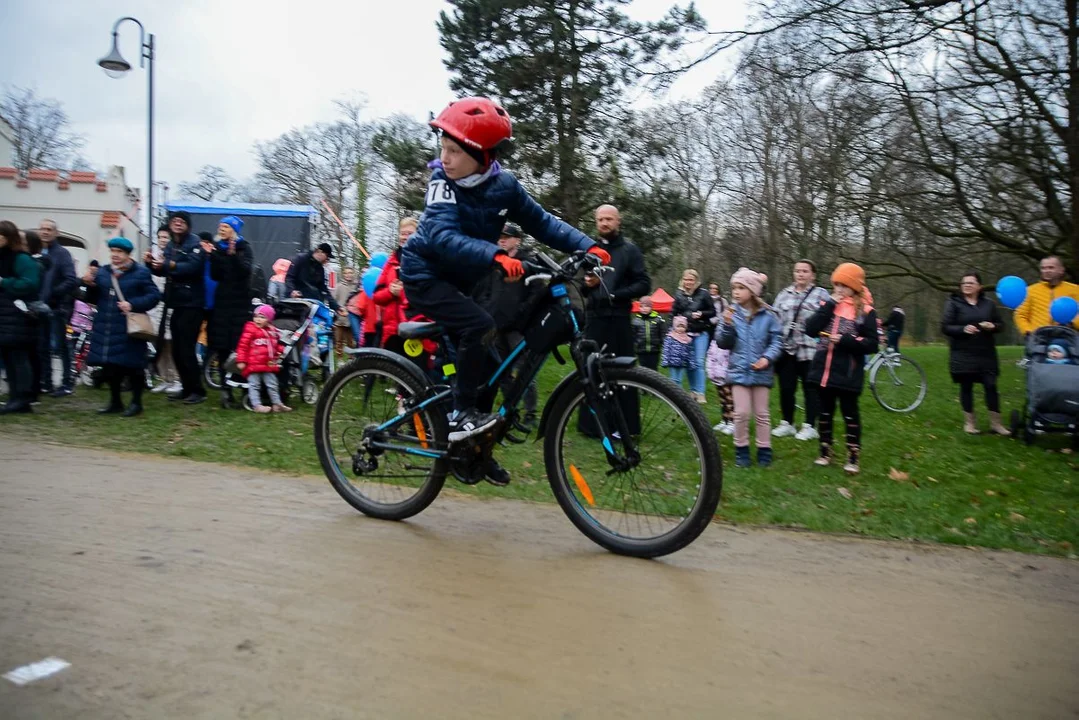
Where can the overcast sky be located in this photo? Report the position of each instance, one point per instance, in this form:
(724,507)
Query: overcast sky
(230,72)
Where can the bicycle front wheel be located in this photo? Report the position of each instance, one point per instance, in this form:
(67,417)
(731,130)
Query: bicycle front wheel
(659,504)
(368,392)
(898,383)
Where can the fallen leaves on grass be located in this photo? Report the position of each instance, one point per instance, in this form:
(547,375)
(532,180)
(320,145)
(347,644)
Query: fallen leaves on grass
(970,521)
(990,493)
(932,479)
(845,492)
(1016,517)
(898,475)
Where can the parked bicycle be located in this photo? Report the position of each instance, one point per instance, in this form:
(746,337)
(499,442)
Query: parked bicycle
(898,383)
(647,486)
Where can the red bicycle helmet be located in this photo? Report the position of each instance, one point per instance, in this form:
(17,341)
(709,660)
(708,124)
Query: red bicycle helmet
(477,122)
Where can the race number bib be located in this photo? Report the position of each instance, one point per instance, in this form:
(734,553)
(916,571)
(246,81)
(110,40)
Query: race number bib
(439,191)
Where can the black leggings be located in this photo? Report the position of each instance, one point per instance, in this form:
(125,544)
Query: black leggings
(115,374)
(790,370)
(848,405)
(966,391)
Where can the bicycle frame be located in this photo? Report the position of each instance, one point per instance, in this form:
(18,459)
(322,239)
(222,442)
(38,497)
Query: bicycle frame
(588,362)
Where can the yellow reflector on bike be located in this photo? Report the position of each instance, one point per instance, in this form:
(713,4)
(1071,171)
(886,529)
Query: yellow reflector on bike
(449,370)
(413,347)
(579,480)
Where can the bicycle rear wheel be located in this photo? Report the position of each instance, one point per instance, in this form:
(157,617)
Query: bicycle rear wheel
(661,504)
(898,383)
(365,393)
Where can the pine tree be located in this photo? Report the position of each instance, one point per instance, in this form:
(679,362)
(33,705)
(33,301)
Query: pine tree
(563,69)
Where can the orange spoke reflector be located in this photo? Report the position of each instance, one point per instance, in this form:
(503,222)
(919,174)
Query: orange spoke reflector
(420,432)
(578,478)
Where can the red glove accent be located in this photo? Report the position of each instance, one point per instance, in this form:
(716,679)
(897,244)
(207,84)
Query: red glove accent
(511,266)
(603,255)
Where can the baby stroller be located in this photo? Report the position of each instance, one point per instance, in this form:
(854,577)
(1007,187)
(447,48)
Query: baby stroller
(306,331)
(1052,388)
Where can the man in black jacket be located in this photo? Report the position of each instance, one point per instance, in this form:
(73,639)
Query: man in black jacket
(609,300)
(58,286)
(306,276)
(183,265)
(508,303)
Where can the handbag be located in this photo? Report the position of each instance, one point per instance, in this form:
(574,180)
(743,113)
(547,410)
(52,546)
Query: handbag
(139,325)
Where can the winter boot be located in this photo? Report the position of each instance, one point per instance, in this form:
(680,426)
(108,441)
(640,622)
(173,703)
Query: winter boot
(825,458)
(741,457)
(852,467)
(996,426)
(970,424)
(764,457)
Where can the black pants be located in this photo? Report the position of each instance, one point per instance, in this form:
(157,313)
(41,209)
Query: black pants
(19,374)
(185,325)
(616,332)
(505,343)
(848,405)
(467,325)
(648,360)
(115,376)
(892,339)
(967,381)
(790,370)
(34,357)
(54,332)
(222,375)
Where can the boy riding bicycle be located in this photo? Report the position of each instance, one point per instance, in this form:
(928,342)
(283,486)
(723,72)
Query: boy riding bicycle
(469,200)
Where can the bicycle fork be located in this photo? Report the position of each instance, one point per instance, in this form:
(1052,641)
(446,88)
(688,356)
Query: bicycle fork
(602,402)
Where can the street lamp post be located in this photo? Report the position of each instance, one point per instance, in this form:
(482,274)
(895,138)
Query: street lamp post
(115,66)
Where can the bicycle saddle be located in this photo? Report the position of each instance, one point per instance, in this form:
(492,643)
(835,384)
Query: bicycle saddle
(418,330)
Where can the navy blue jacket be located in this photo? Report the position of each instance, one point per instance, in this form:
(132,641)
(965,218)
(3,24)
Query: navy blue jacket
(308,276)
(458,234)
(59,282)
(109,342)
(186,282)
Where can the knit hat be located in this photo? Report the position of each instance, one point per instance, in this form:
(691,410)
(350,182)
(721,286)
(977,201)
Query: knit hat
(121,243)
(750,279)
(1056,348)
(326,249)
(512,230)
(266,311)
(851,275)
(233,222)
(182,214)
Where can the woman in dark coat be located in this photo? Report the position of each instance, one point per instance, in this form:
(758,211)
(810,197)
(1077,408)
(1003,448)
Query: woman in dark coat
(231,260)
(695,304)
(120,356)
(971,322)
(20,279)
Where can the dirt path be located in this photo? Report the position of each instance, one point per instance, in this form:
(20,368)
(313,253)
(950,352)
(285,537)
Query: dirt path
(178,589)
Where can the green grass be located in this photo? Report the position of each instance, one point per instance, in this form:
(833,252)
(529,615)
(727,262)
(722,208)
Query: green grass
(948,487)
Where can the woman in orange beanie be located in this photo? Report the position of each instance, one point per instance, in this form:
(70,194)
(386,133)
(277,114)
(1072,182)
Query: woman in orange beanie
(847,326)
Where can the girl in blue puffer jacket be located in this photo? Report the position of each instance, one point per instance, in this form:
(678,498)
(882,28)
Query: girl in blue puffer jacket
(751,331)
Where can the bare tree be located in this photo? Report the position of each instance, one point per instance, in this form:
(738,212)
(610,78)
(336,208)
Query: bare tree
(212,183)
(43,138)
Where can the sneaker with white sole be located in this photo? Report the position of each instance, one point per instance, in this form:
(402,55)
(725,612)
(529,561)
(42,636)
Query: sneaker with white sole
(808,432)
(784,429)
(465,424)
(727,429)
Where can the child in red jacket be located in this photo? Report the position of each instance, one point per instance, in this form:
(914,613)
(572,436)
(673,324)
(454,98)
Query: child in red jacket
(256,357)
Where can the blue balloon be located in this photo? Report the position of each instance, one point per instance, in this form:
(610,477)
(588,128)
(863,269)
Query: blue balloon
(379,260)
(1012,291)
(370,280)
(1063,310)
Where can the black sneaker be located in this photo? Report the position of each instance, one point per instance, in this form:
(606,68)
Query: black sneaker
(496,474)
(194,399)
(61,392)
(464,425)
